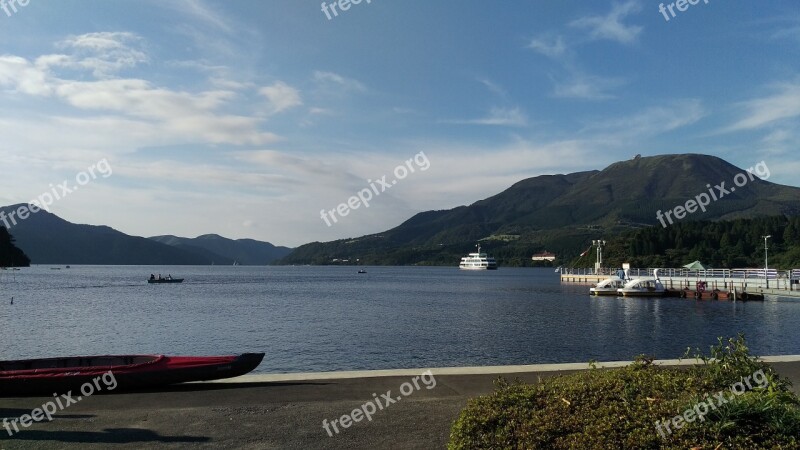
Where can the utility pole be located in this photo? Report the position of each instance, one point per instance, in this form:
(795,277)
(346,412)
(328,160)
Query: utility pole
(598,264)
(766,260)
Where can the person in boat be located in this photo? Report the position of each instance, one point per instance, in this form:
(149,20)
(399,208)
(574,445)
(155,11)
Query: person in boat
(152,276)
(159,277)
(169,277)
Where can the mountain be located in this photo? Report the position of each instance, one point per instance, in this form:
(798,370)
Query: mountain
(562,213)
(49,239)
(10,254)
(228,251)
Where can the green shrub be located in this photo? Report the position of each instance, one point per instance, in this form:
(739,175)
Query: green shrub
(619,408)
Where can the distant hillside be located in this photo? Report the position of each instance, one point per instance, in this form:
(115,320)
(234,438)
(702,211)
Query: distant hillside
(226,251)
(562,213)
(721,244)
(48,239)
(10,254)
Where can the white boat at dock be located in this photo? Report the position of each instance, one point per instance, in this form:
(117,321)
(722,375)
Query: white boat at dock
(478,261)
(608,286)
(643,287)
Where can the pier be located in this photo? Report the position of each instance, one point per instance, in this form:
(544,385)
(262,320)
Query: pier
(771,282)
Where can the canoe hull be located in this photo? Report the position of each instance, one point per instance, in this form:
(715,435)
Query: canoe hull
(61,375)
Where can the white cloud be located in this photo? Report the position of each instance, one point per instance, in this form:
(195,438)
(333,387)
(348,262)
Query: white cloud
(211,16)
(587,87)
(175,115)
(281,96)
(493,87)
(551,47)
(513,117)
(334,80)
(610,26)
(103,53)
(19,75)
(653,120)
(782,105)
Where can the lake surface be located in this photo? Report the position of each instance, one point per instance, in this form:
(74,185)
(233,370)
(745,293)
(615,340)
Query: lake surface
(331,318)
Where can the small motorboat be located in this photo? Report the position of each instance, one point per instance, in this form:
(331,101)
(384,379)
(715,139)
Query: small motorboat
(608,287)
(362,271)
(60,375)
(167,279)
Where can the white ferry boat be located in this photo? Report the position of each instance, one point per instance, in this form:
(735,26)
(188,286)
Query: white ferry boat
(478,261)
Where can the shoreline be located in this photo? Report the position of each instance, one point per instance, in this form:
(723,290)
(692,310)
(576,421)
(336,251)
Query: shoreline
(466,370)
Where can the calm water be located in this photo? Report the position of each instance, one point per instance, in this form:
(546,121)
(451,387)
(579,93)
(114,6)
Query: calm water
(331,318)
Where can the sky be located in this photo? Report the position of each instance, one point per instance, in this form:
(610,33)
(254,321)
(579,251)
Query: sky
(249,118)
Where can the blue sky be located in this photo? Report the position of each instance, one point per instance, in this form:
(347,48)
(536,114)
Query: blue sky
(246,118)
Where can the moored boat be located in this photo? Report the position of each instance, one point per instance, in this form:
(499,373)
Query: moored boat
(643,287)
(607,287)
(51,375)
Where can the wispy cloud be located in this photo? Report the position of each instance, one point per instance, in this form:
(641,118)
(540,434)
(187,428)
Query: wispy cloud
(610,26)
(202,12)
(509,117)
(783,104)
(281,96)
(653,120)
(494,88)
(176,115)
(336,81)
(787,28)
(587,87)
(103,53)
(552,47)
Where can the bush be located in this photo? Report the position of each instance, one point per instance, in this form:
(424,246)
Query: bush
(619,408)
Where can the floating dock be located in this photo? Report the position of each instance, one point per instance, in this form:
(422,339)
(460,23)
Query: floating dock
(741,283)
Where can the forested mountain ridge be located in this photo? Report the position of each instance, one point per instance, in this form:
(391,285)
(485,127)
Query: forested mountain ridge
(563,213)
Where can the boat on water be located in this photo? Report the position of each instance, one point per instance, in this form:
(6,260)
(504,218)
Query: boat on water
(362,271)
(608,286)
(643,287)
(478,261)
(159,280)
(60,375)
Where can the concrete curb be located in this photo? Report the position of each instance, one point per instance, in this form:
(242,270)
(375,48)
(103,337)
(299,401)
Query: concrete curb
(478,370)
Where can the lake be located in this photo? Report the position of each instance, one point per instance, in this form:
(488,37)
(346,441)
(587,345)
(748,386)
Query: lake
(332,318)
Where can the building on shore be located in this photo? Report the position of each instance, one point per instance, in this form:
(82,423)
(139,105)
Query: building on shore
(544,256)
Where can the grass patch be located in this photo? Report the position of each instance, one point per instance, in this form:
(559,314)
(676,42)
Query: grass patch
(619,408)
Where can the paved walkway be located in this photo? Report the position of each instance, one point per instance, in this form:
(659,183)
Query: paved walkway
(283,411)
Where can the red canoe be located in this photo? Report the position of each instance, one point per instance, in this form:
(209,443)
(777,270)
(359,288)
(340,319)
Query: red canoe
(60,375)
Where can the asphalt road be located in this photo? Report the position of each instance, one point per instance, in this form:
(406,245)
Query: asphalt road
(254,414)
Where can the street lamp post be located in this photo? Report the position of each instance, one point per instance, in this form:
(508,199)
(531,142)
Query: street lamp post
(599,261)
(766,260)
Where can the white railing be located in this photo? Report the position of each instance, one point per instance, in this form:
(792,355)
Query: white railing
(773,278)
